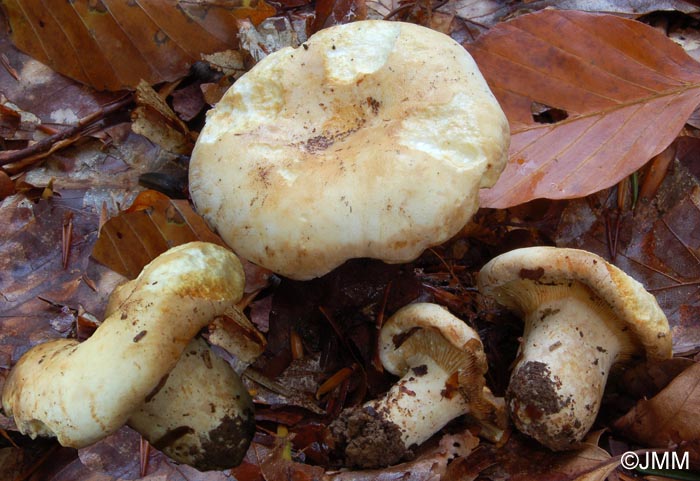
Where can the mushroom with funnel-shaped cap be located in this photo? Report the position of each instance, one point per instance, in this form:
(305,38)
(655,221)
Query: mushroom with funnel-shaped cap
(442,364)
(142,365)
(582,315)
(372,139)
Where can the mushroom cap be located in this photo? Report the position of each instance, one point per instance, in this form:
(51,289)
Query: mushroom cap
(433,318)
(625,296)
(370,140)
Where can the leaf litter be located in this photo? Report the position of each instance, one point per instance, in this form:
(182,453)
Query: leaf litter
(319,329)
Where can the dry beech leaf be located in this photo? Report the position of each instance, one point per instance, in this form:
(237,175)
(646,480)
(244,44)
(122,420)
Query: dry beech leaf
(154,119)
(486,13)
(32,269)
(153,224)
(522,459)
(670,418)
(150,226)
(112,45)
(617,96)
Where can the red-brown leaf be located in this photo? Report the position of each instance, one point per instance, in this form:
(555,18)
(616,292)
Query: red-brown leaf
(112,45)
(625,88)
(152,225)
(670,418)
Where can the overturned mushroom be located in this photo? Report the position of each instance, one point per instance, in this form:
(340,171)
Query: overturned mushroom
(144,366)
(582,315)
(442,364)
(372,139)
(231,331)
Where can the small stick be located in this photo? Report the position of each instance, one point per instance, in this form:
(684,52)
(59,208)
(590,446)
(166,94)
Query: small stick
(334,381)
(46,144)
(10,69)
(67,238)
(144,455)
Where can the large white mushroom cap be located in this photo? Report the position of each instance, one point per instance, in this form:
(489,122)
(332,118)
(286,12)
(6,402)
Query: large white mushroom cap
(372,139)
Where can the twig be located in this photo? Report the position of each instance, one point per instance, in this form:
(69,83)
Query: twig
(66,238)
(379,322)
(144,456)
(45,145)
(4,434)
(10,69)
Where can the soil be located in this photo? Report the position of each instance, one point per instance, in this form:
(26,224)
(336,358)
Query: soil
(365,440)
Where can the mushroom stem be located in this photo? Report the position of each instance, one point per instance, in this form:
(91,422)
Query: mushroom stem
(582,314)
(382,431)
(421,402)
(571,341)
(207,425)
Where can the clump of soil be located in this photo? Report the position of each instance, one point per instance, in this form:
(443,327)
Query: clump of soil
(365,440)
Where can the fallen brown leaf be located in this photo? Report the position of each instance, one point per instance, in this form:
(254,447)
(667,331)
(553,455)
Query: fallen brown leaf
(154,119)
(670,418)
(153,224)
(39,298)
(112,45)
(479,15)
(583,114)
(522,459)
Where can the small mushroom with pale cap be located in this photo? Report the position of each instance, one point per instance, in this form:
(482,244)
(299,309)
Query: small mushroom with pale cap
(145,367)
(582,315)
(372,139)
(442,364)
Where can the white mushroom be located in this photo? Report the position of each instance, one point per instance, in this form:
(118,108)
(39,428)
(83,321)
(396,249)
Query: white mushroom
(581,315)
(372,139)
(144,366)
(442,364)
